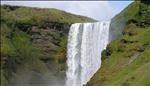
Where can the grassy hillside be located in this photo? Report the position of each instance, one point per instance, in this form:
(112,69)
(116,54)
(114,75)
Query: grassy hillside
(126,61)
(38,16)
(33,45)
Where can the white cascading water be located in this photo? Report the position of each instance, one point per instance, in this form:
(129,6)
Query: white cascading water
(85,44)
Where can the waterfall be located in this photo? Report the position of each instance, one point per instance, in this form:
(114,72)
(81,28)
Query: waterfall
(85,44)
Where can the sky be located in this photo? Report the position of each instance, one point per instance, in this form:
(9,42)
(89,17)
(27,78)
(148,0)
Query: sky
(98,10)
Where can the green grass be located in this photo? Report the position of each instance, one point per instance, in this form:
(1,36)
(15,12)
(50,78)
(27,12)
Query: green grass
(115,70)
(38,16)
(6,47)
(18,44)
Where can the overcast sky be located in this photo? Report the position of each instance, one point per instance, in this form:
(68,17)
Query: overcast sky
(99,10)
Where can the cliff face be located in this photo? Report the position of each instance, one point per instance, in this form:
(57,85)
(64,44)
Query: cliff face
(126,61)
(137,13)
(33,45)
(120,20)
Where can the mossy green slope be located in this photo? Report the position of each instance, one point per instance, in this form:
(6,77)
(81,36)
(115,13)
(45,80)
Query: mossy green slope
(129,62)
(38,16)
(33,44)
(126,61)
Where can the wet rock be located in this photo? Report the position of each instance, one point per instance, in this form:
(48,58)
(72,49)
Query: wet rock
(108,51)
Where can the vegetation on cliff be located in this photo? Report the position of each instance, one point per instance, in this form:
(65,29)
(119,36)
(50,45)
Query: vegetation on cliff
(33,45)
(126,61)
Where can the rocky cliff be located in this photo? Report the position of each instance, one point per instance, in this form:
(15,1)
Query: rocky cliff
(33,45)
(120,20)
